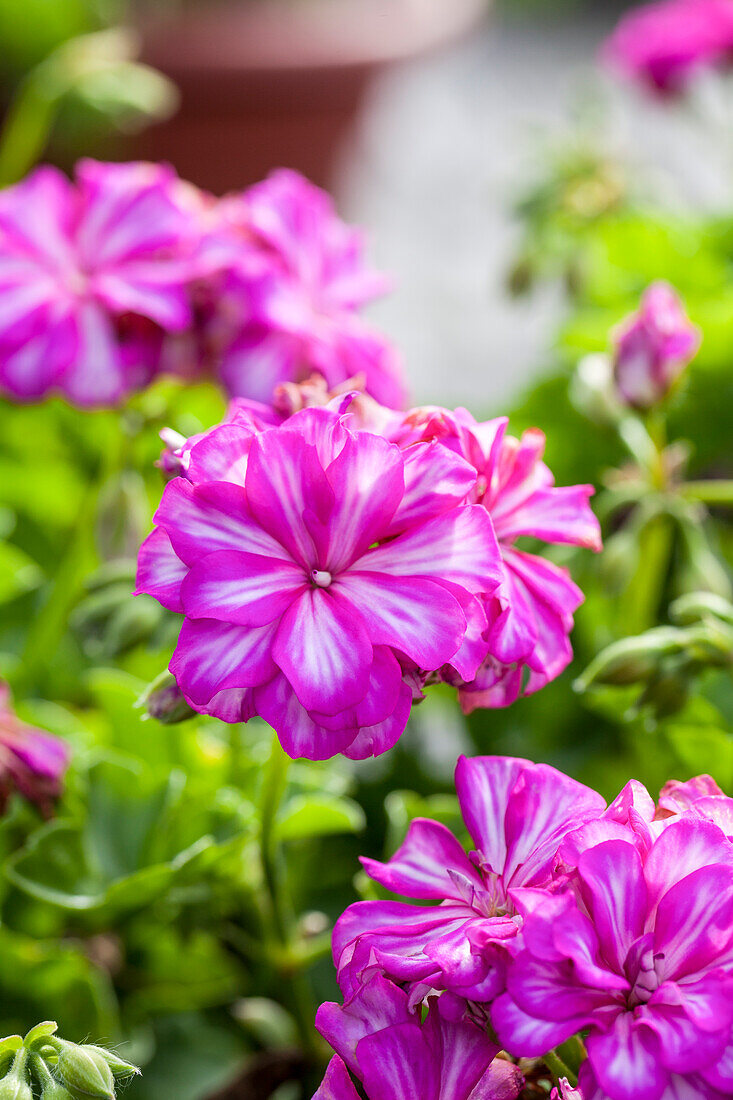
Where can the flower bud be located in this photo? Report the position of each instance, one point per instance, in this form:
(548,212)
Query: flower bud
(592,389)
(15,1087)
(653,347)
(54,1091)
(164,701)
(631,660)
(121,1070)
(82,1069)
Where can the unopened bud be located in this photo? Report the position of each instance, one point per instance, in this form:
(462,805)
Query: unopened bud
(631,660)
(164,701)
(82,1069)
(54,1091)
(592,391)
(15,1087)
(121,1070)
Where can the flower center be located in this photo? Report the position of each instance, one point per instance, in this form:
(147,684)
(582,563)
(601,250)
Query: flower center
(321,578)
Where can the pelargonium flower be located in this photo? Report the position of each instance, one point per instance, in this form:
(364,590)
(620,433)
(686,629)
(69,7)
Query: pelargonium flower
(653,346)
(531,613)
(395,1056)
(91,273)
(664,43)
(638,952)
(296,282)
(32,761)
(517,814)
(310,563)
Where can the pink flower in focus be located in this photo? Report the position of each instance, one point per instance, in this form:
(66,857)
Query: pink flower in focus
(310,563)
(664,43)
(531,613)
(91,275)
(517,814)
(32,762)
(297,280)
(698,797)
(639,951)
(396,1056)
(653,347)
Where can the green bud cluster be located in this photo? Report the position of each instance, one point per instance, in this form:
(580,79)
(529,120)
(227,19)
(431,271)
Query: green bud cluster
(665,660)
(42,1064)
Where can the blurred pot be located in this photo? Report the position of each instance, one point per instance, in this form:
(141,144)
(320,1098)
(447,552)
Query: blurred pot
(279,82)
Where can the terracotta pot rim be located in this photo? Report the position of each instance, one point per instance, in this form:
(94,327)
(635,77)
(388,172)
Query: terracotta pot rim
(298,36)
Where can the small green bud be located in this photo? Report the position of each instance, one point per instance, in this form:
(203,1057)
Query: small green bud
(632,660)
(84,1070)
(121,1070)
(15,1087)
(54,1091)
(163,700)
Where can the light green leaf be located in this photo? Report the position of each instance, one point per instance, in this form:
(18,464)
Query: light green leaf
(308,816)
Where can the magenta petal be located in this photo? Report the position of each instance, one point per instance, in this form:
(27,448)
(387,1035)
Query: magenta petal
(368,483)
(626,1060)
(323,648)
(299,734)
(248,589)
(436,480)
(221,455)
(211,656)
(398,1064)
(555,515)
(336,1085)
(376,1006)
(96,376)
(160,572)
(545,581)
(526,1036)
(615,895)
(682,848)
(285,480)
(484,785)
(694,924)
(459,546)
(413,614)
(420,867)
(201,519)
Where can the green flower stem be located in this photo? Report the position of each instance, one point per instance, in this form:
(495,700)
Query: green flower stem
(78,559)
(573,1053)
(640,602)
(558,1068)
(278,908)
(708,492)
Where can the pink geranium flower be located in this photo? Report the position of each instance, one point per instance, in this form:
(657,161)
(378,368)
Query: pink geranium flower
(531,613)
(396,1056)
(517,814)
(91,274)
(664,43)
(653,346)
(290,304)
(32,761)
(314,566)
(638,952)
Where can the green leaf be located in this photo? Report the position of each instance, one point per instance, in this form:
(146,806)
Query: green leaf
(18,572)
(307,816)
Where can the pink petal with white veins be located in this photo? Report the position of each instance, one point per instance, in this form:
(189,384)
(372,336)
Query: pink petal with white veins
(323,648)
(236,587)
(560,515)
(160,572)
(300,736)
(211,656)
(96,376)
(337,1084)
(200,519)
(284,481)
(419,868)
(436,480)
(368,483)
(459,546)
(694,925)
(413,614)
(613,889)
(626,1061)
(221,455)
(379,737)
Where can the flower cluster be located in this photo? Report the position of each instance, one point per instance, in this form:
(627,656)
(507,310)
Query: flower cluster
(332,563)
(128,272)
(664,43)
(32,762)
(568,917)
